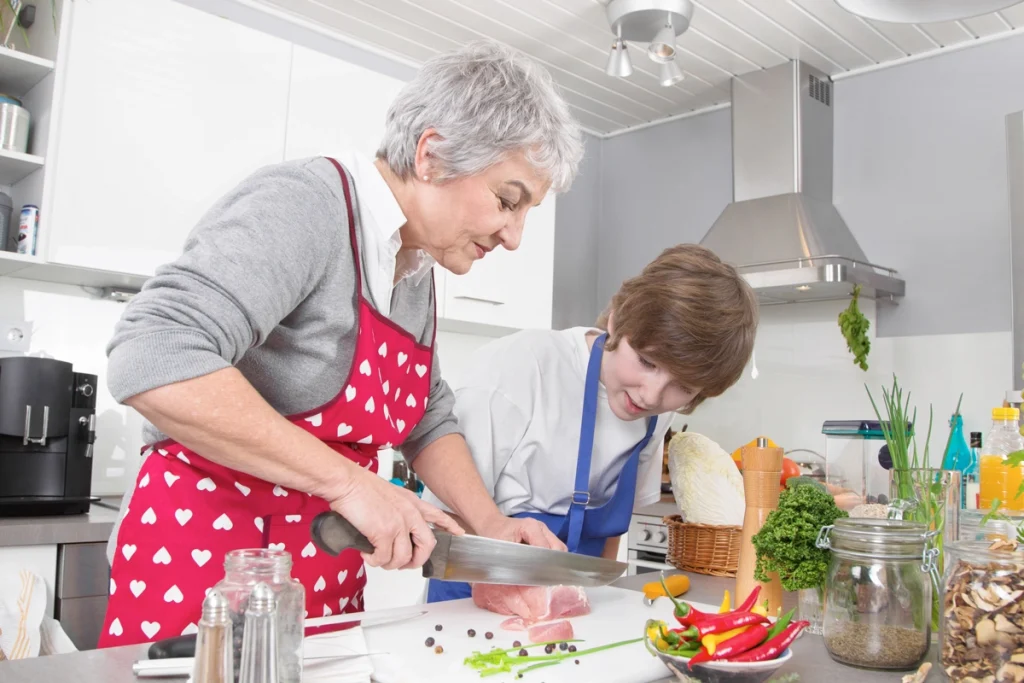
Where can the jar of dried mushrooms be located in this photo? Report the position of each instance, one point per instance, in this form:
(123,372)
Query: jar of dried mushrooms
(878,592)
(982,623)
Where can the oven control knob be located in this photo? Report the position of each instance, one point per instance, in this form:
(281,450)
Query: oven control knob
(86,389)
(662,537)
(647,534)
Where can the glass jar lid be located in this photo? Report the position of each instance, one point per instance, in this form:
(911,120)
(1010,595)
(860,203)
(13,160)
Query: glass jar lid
(892,538)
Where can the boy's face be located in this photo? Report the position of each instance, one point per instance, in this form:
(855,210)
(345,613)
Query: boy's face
(637,387)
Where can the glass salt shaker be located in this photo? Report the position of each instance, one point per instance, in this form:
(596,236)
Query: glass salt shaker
(213,658)
(243,570)
(259,644)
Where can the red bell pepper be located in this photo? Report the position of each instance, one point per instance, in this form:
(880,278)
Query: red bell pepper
(723,623)
(748,604)
(773,647)
(736,645)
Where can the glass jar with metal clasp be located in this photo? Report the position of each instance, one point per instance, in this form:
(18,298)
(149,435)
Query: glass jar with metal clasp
(878,592)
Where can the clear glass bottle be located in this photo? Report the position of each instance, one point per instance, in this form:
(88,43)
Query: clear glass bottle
(996,479)
(259,644)
(243,569)
(213,658)
(878,592)
(982,627)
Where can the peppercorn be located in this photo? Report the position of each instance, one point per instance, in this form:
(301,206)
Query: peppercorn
(472,633)
(572,648)
(438,627)
(516,643)
(438,649)
(523,652)
(563,646)
(577,661)
(548,649)
(430,642)
(488,635)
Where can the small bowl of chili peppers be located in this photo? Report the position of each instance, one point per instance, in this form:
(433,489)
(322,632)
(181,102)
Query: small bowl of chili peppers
(732,646)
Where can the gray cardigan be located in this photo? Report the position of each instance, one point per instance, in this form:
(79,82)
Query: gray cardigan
(266,284)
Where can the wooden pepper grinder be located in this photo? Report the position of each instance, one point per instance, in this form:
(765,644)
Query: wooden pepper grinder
(762,470)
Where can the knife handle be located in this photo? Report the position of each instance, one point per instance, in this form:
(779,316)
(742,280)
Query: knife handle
(171,648)
(333,534)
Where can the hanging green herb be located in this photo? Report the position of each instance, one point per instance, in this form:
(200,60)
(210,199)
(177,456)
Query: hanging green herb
(855,330)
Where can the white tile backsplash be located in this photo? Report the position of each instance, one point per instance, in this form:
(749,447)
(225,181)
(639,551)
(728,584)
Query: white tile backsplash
(807,376)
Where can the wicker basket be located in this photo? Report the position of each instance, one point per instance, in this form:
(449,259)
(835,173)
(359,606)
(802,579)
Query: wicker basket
(703,548)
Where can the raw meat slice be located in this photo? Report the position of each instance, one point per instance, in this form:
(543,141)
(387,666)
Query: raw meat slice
(533,603)
(550,633)
(513,624)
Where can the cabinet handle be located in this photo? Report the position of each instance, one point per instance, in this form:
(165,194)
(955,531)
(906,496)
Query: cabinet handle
(493,302)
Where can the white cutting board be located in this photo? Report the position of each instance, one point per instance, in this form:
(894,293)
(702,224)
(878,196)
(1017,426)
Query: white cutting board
(616,614)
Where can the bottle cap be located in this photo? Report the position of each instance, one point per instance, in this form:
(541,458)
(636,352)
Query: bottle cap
(215,608)
(1005,414)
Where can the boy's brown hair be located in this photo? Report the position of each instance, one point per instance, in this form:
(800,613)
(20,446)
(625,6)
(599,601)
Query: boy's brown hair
(691,315)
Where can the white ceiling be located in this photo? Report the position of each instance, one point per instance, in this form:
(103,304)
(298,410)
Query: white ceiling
(572,38)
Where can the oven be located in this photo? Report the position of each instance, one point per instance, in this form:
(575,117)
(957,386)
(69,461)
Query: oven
(647,545)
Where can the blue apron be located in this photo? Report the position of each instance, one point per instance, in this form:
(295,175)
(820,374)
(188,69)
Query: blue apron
(585,529)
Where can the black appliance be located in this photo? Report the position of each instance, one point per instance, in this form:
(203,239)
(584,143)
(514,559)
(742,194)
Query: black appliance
(47,431)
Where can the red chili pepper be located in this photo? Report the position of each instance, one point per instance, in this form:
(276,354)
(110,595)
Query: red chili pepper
(701,656)
(741,642)
(691,615)
(748,604)
(773,647)
(726,622)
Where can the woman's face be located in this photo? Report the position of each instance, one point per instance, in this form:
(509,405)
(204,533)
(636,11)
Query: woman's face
(459,221)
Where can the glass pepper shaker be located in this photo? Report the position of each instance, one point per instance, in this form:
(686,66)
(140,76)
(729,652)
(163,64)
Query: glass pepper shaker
(259,644)
(214,662)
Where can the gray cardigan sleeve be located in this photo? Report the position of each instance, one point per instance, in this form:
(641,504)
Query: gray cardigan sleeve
(249,261)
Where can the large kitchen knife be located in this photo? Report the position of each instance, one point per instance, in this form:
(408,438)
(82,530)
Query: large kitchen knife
(476,559)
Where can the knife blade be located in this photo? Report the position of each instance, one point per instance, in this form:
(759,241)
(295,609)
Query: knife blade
(476,559)
(185,646)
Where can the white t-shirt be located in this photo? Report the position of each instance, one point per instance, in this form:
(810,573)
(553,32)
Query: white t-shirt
(520,412)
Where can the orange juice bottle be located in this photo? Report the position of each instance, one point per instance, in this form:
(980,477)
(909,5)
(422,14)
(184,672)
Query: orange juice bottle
(996,479)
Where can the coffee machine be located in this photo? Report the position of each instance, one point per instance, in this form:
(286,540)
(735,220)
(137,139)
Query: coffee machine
(47,432)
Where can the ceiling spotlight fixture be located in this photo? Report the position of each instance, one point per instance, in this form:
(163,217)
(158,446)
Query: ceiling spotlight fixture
(655,22)
(669,73)
(663,48)
(618,61)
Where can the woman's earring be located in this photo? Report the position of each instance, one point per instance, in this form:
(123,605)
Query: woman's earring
(426,178)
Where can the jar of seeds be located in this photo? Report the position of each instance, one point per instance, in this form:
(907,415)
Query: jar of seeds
(982,621)
(878,592)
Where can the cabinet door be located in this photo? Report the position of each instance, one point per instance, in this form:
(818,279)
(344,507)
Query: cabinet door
(335,106)
(164,109)
(509,288)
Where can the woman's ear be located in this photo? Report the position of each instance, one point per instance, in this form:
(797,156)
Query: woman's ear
(426,165)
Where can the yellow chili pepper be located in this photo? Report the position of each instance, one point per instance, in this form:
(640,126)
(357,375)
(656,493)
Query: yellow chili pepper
(725,604)
(711,641)
(661,644)
(760,609)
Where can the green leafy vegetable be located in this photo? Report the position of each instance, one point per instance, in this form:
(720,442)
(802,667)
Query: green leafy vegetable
(499,661)
(786,543)
(855,330)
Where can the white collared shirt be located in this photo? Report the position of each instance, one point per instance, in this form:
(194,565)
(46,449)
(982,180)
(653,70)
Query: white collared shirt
(380,243)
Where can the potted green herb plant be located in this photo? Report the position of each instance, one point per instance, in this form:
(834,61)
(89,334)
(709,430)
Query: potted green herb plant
(786,545)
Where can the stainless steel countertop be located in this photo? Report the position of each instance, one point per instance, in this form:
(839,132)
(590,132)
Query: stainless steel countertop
(94,527)
(663,508)
(810,659)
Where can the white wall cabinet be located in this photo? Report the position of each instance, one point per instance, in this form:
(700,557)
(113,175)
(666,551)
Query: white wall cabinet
(335,106)
(165,108)
(508,288)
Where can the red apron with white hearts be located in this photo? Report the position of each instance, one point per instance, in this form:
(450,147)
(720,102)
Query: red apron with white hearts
(188,512)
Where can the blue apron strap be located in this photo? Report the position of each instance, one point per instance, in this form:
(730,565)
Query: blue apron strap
(581,491)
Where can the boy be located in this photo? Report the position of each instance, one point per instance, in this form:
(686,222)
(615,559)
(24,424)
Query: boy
(566,426)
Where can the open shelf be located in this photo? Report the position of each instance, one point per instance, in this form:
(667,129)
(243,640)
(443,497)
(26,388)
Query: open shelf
(14,166)
(20,72)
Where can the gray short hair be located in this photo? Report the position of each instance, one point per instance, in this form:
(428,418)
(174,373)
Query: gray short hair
(486,101)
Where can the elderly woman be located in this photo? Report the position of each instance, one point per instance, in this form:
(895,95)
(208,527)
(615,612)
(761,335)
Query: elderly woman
(294,337)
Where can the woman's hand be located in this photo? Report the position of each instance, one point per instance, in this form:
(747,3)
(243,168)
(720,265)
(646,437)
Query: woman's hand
(394,520)
(521,530)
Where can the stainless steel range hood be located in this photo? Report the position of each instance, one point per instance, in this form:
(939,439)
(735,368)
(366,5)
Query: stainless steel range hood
(781,230)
